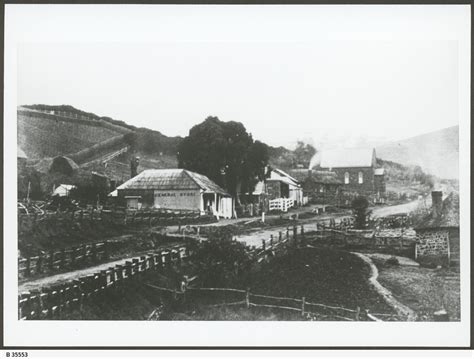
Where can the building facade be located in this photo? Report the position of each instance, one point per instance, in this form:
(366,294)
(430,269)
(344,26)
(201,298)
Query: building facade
(175,189)
(437,234)
(320,187)
(356,170)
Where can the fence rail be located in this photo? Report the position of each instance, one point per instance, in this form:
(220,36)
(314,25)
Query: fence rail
(49,303)
(60,260)
(301,305)
(280,204)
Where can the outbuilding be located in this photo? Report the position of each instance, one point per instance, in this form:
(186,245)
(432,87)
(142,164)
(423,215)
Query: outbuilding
(178,189)
(437,234)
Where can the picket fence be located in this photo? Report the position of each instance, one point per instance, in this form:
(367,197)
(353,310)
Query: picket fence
(66,258)
(51,302)
(281,204)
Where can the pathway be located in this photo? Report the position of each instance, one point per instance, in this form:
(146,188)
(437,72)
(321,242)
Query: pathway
(378,212)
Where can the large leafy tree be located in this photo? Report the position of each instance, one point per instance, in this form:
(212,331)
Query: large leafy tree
(303,153)
(226,153)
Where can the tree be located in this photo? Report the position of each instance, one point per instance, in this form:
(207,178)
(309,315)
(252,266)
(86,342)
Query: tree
(303,153)
(226,153)
(359,206)
(221,263)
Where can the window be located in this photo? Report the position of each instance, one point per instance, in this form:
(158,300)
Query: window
(361,178)
(346,178)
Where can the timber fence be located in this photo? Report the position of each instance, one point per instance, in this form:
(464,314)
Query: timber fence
(27,222)
(50,303)
(70,258)
(246,299)
(76,257)
(319,234)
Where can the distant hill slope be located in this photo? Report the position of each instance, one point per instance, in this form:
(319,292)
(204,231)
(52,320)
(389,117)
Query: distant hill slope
(436,153)
(48,131)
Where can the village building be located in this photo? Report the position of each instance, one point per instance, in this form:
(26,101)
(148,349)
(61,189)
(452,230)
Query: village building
(356,169)
(320,187)
(277,184)
(437,234)
(63,190)
(178,189)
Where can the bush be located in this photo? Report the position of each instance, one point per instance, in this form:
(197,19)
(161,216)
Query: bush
(220,263)
(393,261)
(359,206)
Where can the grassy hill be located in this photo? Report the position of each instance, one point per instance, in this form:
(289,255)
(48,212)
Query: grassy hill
(49,131)
(436,152)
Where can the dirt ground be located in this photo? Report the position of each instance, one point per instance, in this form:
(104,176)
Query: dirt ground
(422,289)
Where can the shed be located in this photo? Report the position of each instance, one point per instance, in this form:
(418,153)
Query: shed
(319,186)
(437,233)
(177,189)
(63,190)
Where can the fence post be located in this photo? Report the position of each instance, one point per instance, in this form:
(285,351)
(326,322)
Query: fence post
(287,233)
(94,252)
(39,263)
(106,250)
(247,298)
(51,260)
(302,306)
(271,240)
(263,244)
(73,257)
(357,314)
(28,265)
(279,236)
(294,232)
(63,258)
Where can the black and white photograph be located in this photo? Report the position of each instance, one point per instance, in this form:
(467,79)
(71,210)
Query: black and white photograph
(298,172)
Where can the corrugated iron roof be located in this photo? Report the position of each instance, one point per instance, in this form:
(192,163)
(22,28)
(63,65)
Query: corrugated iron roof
(281,173)
(350,157)
(172,179)
(449,217)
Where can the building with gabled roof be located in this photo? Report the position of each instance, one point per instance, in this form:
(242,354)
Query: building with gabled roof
(321,187)
(356,169)
(176,189)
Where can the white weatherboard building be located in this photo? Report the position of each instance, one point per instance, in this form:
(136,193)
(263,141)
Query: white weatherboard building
(176,189)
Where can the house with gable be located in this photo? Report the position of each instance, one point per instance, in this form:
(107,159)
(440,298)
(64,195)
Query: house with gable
(357,169)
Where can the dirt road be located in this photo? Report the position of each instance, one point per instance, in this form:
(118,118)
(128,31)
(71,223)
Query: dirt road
(311,224)
(401,208)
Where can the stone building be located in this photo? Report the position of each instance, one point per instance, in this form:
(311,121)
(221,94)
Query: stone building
(356,169)
(175,189)
(321,187)
(437,234)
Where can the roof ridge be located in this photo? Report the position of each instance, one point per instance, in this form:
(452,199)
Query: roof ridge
(188,173)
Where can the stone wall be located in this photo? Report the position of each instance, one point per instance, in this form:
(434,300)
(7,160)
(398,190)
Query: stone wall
(432,245)
(367,187)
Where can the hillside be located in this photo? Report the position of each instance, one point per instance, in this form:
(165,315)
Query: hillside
(46,131)
(436,153)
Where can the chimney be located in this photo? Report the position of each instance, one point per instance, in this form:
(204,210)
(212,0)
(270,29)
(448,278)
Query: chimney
(437,203)
(134,166)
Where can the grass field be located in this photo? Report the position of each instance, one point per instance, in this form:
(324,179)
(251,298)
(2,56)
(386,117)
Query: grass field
(423,290)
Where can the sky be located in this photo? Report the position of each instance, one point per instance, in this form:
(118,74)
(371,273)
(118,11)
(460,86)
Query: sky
(331,77)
